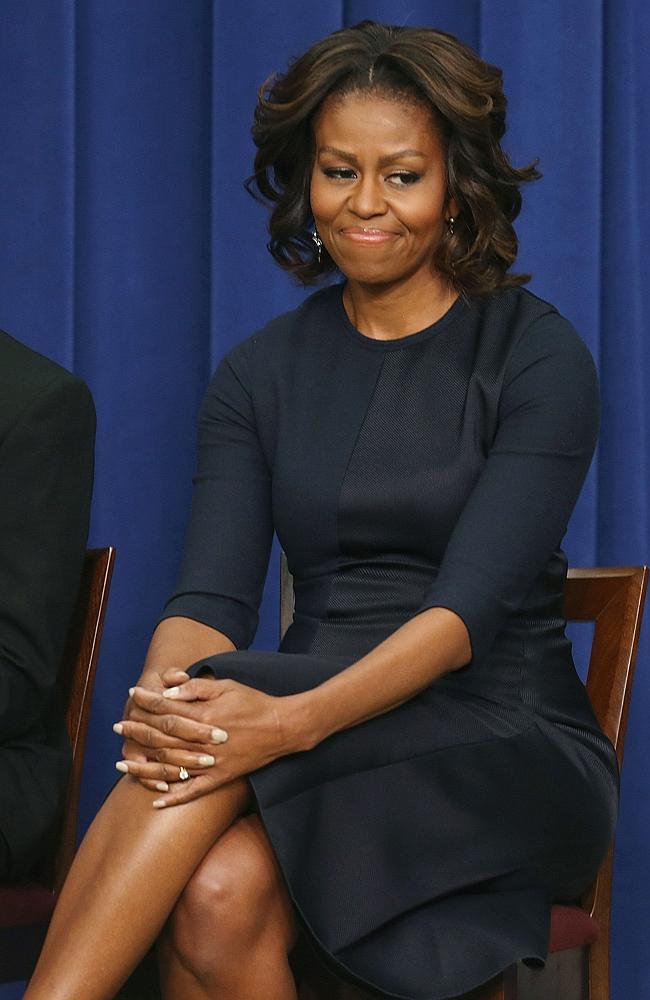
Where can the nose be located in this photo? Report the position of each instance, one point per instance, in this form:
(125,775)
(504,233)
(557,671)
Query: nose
(367,199)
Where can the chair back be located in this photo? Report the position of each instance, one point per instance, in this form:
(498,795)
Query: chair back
(76,679)
(286,596)
(612,598)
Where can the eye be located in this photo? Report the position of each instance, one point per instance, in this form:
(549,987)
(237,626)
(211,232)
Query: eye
(339,173)
(404,178)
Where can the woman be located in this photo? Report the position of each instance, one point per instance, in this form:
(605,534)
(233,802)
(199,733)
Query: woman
(417,772)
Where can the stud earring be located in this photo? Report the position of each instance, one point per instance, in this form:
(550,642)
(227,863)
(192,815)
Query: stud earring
(450,225)
(318,242)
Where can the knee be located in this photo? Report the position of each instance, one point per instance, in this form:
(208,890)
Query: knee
(223,910)
(226,897)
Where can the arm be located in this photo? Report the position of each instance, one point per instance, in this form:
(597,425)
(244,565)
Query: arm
(214,607)
(46,460)
(176,644)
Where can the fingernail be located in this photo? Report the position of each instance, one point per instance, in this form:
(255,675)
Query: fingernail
(118,728)
(162,786)
(171,692)
(218,735)
(159,804)
(131,690)
(122,766)
(205,760)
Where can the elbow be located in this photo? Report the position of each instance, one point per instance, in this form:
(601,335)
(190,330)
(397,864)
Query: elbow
(459,641)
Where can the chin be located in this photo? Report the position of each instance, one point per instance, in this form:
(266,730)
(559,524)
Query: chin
(369,275)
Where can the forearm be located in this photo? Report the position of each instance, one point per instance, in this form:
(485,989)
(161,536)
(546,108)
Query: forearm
(177,643)
(425,648)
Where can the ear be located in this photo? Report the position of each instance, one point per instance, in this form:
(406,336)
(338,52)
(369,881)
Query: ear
(451,210)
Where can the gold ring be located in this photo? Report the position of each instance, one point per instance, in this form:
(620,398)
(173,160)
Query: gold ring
(183,774)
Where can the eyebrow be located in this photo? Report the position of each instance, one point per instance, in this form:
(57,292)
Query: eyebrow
(383,160)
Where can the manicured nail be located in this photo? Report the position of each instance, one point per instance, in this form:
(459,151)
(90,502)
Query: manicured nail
(118,728)
(122,766)
(131,690)
(159,804)
(162,786)
(218,736)
(171,692)
(205,760)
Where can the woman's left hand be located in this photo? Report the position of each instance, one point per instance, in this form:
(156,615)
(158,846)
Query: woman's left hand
(237,727)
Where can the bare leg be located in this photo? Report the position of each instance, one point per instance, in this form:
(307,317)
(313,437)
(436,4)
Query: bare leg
(233,927)
(129,871)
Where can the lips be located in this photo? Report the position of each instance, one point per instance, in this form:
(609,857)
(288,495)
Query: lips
(368,235)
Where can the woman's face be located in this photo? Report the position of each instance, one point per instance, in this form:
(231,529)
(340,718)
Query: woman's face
(379,187)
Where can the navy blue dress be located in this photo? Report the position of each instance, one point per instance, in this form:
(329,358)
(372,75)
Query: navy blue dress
(421,848)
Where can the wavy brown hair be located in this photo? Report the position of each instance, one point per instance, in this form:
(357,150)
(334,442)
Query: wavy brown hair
(468,105)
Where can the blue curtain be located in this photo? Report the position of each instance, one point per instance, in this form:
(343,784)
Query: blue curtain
(131,254)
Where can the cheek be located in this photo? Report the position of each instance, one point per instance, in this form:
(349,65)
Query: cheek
(322,199)
(425,213)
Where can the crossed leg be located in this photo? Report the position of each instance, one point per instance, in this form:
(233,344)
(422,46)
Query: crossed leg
(233,927)
(127,877)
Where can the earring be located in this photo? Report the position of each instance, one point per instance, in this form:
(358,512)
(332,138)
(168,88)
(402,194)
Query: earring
(450,225)
(318,242)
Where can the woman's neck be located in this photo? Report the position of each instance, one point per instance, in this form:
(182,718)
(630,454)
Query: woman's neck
(386,312)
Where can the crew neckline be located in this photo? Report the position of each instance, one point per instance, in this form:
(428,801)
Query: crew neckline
(397,343)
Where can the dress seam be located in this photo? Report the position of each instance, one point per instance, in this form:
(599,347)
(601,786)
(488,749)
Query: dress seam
(340,489)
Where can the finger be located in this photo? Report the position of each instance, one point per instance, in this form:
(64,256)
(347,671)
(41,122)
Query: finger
(186,791)
(171,731)
(197,689)
(173,677)
(154,786)
(132,751)
(150,737)
(154,703)
(157,705)
(168,768)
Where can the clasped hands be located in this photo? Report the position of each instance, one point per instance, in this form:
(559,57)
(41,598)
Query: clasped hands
(217,730)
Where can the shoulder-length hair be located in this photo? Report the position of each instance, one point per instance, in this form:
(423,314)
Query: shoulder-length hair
(465,95)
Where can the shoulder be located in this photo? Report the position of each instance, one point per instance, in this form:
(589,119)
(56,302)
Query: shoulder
(30,382)
(271,353)
(297,327)
(532,330)
(550,383)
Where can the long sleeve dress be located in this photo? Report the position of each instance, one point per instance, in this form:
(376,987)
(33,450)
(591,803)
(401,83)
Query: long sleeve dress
(421,848)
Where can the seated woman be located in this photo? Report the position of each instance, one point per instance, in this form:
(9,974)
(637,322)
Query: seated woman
(47,434)
(417,773)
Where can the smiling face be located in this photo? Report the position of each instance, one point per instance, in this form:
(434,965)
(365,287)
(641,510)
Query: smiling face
(379,188)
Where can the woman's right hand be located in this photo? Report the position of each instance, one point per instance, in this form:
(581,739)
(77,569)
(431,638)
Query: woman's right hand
(151,680)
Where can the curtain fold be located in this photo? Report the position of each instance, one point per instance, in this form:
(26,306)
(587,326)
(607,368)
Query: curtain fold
(131,254)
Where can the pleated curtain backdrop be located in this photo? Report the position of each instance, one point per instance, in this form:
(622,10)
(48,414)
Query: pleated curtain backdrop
(131,254)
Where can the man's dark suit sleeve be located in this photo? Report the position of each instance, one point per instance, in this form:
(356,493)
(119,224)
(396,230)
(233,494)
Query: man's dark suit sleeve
(46,471)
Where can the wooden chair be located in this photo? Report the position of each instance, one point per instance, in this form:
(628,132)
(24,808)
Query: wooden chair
(578,961)
(25,908)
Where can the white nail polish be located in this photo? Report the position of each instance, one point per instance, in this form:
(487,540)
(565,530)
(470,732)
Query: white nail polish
(162,786)
(159,804)
(131,690)
(118,728)
(205,760)
(122,766)
(171,692)
(218,735)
